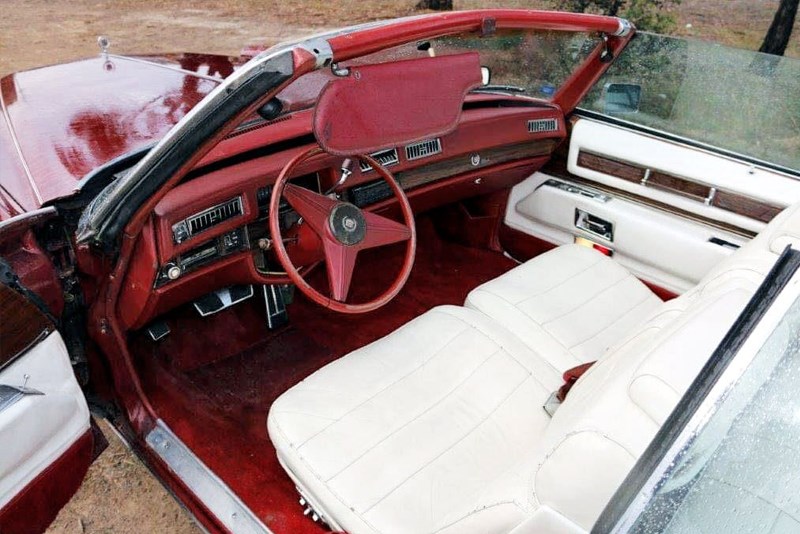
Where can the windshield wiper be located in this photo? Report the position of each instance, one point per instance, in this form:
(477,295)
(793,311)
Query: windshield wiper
(501,88)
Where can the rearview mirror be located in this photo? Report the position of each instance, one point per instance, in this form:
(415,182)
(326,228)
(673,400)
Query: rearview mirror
(486,75)
(621,98)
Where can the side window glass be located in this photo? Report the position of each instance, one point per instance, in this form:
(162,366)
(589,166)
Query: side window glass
(737,100)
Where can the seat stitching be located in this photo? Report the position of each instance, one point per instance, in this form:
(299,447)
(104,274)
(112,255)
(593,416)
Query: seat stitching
(307,414)
(579,305)
(554,448)
(313,471)
(412,371)
(566,280)
(426,410)
(462,438)
(511,354)
(514,306)
(612,323)
(654,377)
(482,509)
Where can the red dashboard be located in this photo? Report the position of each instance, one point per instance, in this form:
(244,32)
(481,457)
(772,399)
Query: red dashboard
(211,230)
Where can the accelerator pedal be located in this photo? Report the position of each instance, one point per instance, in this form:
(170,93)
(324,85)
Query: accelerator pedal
(222,298)
(275,299)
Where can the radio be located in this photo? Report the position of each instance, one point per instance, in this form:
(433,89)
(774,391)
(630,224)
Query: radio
(228,243)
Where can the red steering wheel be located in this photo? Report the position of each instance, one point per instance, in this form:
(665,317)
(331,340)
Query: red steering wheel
(344,230)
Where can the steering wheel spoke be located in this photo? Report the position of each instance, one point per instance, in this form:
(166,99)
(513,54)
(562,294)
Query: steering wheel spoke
(382,231)
(312,207)
(340,261)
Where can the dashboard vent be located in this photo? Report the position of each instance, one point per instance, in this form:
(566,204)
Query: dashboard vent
(423,149)
(542,125)
(387,158)
(206,219)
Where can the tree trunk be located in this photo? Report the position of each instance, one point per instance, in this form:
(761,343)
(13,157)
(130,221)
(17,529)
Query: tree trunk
(614,7)
(437,5)
(780,30)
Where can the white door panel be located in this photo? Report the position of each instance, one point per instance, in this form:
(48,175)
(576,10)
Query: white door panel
(666,201)
(666,249)
(691,163)
(37,429)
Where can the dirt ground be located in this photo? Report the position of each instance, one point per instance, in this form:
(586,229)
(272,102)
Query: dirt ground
(119,494)
(40,32)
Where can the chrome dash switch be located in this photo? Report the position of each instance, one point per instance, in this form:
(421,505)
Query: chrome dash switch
(180,232)
(173,272)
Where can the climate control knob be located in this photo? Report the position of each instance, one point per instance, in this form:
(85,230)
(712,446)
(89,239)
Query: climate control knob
(173,271)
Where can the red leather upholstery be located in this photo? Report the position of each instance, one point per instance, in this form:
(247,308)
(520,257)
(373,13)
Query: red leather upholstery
(390,104)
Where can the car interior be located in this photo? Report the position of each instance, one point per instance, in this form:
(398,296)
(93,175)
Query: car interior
(357,311)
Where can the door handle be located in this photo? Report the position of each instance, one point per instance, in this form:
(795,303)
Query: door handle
(594,224)
(723,243)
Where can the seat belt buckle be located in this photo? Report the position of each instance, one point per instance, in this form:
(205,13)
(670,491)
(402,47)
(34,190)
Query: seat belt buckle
(570,377)
(552,403)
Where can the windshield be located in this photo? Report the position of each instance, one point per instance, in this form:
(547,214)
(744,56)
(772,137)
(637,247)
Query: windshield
(535,63)
(737,100)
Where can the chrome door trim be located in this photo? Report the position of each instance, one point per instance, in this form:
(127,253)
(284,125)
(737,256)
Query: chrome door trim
(215,495)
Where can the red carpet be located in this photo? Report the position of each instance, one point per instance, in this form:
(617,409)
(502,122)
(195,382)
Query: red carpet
(220,409)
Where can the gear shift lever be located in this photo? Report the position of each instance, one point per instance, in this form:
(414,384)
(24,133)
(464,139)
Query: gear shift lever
(347,170)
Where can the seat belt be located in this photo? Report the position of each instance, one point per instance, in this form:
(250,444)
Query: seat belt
(570,377)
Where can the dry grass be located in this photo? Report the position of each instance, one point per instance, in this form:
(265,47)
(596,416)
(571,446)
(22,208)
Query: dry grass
(38,32)
(120,496)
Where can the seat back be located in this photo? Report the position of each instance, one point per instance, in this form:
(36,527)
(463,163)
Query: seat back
(616,408)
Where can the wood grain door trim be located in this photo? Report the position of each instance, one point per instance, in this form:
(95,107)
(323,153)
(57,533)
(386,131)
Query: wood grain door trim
(723,199)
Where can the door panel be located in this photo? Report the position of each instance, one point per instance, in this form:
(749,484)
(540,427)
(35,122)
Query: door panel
(659,247)
(43,415)
(675,210)
(697,169)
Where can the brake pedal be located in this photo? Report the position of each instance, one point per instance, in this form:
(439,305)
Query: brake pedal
(222,298)
(275,300)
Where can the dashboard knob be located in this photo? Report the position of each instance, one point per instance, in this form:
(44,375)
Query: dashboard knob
(173,271)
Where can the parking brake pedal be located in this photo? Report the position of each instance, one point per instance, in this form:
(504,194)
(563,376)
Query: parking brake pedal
(221,299)
(275,299)
(158,330)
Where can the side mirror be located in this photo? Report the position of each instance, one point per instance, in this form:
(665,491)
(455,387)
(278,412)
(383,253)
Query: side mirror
(486,75)
(621,98)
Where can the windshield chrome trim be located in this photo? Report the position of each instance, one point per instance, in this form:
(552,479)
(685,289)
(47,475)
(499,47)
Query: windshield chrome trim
(104,211)
(18,149)
(712,149)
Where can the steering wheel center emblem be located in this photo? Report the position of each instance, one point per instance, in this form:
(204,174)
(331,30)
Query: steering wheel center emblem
(347,224)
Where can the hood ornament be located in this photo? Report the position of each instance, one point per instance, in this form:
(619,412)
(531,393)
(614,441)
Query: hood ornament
(103,42)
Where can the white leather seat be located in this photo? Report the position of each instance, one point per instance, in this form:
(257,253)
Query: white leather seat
(569,304)
(393,437)
(438,427)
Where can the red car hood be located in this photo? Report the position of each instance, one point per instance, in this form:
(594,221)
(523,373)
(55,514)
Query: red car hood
(61,122)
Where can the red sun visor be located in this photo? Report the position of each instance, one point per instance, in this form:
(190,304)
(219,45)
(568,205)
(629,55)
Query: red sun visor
(380,106)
